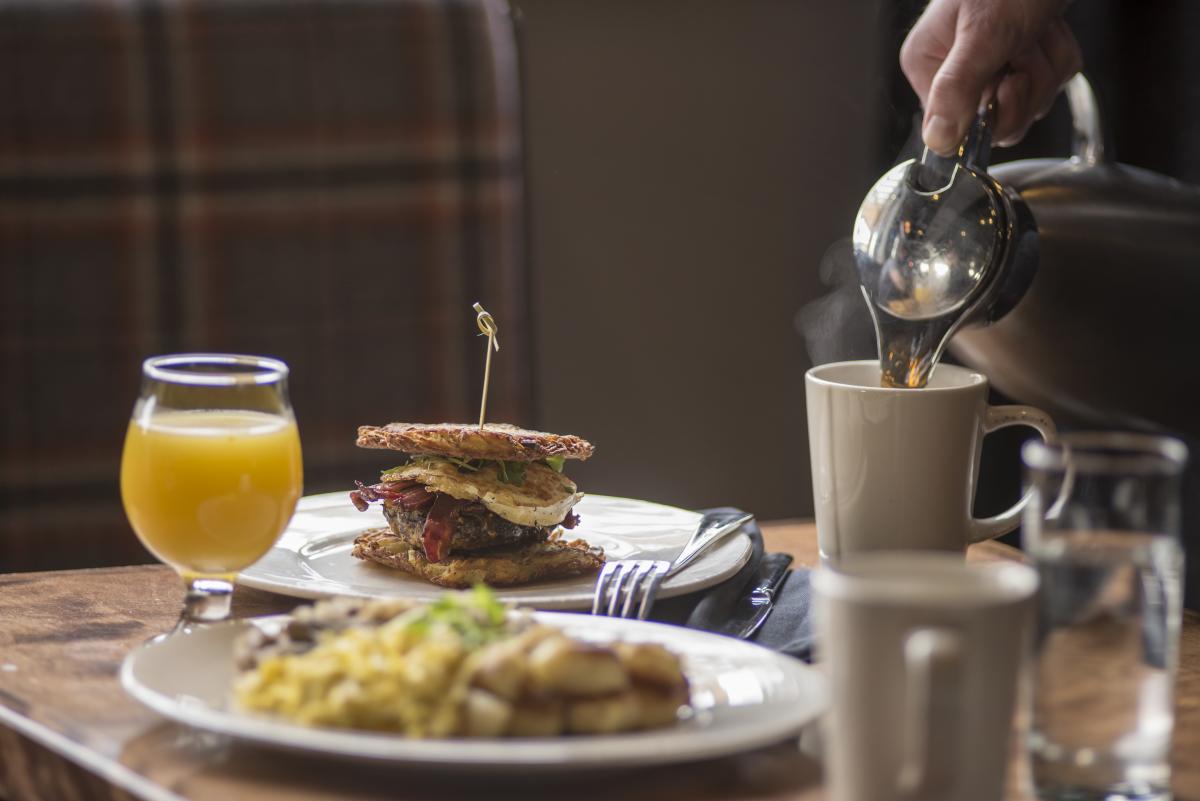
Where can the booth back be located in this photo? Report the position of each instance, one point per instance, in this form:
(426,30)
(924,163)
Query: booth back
(331,183)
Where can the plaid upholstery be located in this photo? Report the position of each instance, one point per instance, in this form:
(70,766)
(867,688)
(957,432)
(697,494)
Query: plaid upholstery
(332,182)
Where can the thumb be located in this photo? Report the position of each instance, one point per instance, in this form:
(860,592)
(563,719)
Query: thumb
(972,64)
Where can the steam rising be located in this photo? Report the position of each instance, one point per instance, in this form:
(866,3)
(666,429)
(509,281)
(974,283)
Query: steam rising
(837,326)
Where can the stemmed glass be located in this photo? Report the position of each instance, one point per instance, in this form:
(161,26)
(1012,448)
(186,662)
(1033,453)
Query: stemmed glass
(211,470)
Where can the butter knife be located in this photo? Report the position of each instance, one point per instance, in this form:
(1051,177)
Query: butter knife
(753,607)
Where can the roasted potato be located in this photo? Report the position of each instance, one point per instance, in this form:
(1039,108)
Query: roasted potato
(657,707)
(562,666)
(501,670)
(537,718)
(486,715)
(604,714)
(650,663)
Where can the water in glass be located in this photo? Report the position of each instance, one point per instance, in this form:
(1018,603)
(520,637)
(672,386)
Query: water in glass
(1105,663)
(1103,534)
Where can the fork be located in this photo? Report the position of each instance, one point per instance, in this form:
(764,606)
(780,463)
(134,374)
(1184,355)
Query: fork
(627,588)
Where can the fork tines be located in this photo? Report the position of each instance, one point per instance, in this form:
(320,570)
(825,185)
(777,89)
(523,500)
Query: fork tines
(627,588)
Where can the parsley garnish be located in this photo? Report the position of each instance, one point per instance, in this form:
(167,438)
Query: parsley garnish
(477,616)
(511,472)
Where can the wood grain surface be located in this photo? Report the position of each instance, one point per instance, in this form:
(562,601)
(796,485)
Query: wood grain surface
(68,731)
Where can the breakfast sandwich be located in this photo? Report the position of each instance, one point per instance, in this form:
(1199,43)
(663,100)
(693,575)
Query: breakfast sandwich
(475,505)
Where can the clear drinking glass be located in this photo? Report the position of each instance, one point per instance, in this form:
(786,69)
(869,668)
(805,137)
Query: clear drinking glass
(1103,531)
(211,470)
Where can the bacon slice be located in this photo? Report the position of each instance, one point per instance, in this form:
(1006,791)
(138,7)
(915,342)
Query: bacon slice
(386,491)
(439,527)
(414,498)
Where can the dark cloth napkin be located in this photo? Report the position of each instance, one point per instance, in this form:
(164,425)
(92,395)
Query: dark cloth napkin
(788,629)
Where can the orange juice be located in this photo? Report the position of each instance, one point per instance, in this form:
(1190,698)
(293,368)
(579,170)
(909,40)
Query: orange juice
(209,492)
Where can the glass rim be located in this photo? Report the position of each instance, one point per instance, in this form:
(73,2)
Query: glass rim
(169,369)
(1107,452)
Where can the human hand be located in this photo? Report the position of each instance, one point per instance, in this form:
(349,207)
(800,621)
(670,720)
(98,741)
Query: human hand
(957,50)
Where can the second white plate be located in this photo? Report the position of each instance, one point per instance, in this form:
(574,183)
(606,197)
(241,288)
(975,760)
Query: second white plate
(312,559)
(743,697)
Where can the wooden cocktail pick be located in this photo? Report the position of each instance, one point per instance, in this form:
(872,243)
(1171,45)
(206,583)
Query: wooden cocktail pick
(487,327)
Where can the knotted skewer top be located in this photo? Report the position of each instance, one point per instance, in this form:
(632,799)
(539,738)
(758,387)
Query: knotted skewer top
(487,327)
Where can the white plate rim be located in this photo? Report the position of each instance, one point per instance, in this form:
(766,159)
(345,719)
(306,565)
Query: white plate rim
(680,744)
(686,581)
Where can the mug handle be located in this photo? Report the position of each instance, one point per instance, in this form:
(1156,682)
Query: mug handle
(933,711)
(999,417)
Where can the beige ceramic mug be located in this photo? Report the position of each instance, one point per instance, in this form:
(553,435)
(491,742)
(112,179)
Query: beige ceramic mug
(895,469)
(923,653)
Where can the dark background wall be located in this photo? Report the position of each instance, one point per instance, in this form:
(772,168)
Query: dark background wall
(689,163)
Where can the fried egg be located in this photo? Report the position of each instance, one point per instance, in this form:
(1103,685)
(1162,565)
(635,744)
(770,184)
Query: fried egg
(543,499)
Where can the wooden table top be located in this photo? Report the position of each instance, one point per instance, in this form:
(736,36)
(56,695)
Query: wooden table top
(68,731)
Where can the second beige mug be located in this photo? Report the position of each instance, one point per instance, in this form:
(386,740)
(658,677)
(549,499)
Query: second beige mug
(923,653)
(895,469)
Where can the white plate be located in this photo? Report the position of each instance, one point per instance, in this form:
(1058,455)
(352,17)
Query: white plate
(744,697)
(312,559)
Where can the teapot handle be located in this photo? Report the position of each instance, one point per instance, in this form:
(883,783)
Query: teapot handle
(1087,139)
(935,172)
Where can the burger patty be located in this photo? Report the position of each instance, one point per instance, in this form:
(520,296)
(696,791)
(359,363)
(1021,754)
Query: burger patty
(473,528)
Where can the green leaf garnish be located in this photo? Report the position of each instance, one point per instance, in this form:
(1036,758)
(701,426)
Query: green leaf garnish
(555,463)
(488,603)
(511,472)
(467,465)
(470,465)
(477,617)
(507,472)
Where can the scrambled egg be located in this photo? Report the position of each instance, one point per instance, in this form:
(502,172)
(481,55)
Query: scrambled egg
(462,666)
(543,499)
(380,679)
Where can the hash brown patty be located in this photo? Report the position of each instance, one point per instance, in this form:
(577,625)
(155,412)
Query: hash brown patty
(498,441)
(496,567)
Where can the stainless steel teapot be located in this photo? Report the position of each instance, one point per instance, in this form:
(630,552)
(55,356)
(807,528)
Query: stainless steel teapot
(1083,295)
